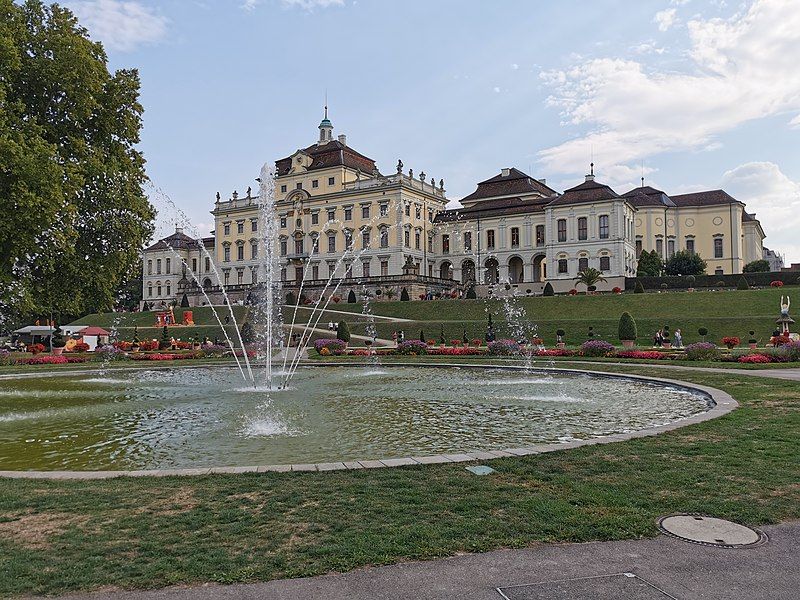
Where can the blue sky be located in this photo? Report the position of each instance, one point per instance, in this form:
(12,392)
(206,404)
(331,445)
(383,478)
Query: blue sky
(699,94)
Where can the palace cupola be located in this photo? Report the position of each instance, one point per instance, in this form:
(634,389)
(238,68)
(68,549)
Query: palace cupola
(325,129)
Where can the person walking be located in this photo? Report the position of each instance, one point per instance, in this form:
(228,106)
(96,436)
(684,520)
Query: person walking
(658,339)
(678,339)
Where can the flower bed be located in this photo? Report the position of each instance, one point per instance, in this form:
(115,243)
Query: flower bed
(164,356)
(641,354)
(49,359)
(597,348)
(412,347)
(461,351)
(702,351)
(556,352)
(753,359)
(503,348)
(331,346)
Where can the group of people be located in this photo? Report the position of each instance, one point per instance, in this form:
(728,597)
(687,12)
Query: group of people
(661,338)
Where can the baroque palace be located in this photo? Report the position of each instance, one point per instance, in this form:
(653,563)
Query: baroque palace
(338,215)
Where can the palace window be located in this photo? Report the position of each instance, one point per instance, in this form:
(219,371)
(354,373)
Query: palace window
(283,222)
(515,237)
(315,244)
(417,211)
(639,248)
(365,269)
(605,263)
(331,214)
(718,247)
(194,265)
(490,239)
(253,251)
(690,245)
(158,267)
(348,273)
(407,238)
(315,218)
(284,247)
(315,183)
(467,241)
(169,266)
(348,213)
(562,265)
(299,246)
(207,264)
(331,242)
(561,227)
(159,290)
(417,240)
(348,238)
(254,276)
(660,247)
(384,237)
(226,228)
(227,277)
(670,248)
(384,268)
(583,228)
(314,271)
(283,189)
(430,216)
(365,212)
(430,244)
(239,276)
(240,252)
(253,224)
(226,254)
(298,185)
(365,239)
(331,180)
(603,227)
(583,264)
(540,235)
(445,244)
(384,210)
(149,267)
(283,274)
(240,227)
(331,268)
(408,210)
(149,290)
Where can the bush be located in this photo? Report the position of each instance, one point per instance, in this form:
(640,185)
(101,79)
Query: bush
(776,284)
(351,297)
(596,348)
(743,285)
(185,301)
(573,292)
(616,290)
(639,289)
(109,353)
(649,264)
(35,348)
(332,346)
(413,347)
(5,358)
(641,354)
(290,298)
(548,290)
(471,295)
(690,279)
(702,351)
(791,351)
(627,327)
(503,348)
(404,297)
(80,347)
(702,332)
(213,351)
(343,331)
(248,333)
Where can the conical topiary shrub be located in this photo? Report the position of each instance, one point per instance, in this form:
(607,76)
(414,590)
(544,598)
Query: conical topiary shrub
(343,331)
(627,329)
(548,290)
(471,295)
(743,285)
(639,288)
(404,297)
(351,297)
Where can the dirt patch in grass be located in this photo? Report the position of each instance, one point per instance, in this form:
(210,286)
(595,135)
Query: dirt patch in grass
(37,530)
(181,501)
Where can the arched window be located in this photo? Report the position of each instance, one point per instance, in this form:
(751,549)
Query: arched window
(149,290)
(384,237)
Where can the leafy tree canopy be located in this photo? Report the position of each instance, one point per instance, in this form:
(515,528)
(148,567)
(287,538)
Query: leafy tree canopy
(650,264)
(757,266)
(75,215)
(685,263)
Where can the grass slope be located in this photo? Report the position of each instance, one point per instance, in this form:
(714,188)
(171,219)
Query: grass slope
(61,536)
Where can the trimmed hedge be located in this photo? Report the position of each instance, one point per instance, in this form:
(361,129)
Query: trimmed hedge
(709,281)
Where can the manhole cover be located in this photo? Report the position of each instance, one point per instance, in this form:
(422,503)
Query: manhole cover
(700,529)
(619,586)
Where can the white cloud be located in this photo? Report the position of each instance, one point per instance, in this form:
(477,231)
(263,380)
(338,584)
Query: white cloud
(515,66)
(665,18)
(311,4)
(774,198)
(496,90)
(249,5)
(744,69)
(795,123)
(122,25)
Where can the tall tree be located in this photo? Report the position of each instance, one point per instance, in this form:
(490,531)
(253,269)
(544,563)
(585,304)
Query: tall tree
(75,214)
(650,264)
(685,263)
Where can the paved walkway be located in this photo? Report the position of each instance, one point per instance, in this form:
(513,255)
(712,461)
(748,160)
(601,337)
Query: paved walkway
(358,314)
(792,374)
(664,567)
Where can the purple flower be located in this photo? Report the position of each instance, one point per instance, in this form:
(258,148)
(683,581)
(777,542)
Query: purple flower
(597,348)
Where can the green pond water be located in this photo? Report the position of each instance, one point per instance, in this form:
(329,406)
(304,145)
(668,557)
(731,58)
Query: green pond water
(182,418)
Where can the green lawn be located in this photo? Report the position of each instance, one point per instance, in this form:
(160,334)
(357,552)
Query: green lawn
(61,536)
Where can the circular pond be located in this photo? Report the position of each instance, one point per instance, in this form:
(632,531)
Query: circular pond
(203,417)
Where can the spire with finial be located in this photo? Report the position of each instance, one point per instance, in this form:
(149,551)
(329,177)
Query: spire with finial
(590,176)
(325,127)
